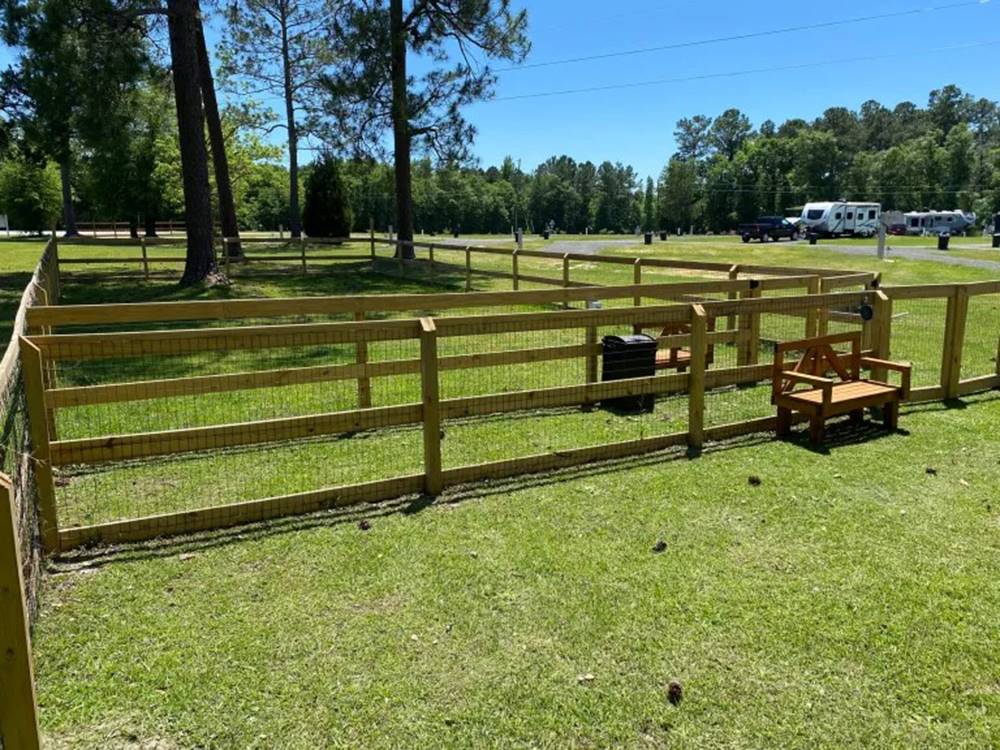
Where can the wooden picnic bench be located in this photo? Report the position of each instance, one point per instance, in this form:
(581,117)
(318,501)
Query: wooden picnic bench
(845,393)
(676,357)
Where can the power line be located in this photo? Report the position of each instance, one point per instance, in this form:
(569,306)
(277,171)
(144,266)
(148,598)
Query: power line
(749,35)
(738,73)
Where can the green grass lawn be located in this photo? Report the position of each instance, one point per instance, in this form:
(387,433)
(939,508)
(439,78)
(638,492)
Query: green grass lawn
(849,600)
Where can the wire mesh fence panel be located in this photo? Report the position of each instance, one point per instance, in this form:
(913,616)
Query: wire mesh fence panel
(89,495)
(982,336)
(918,329)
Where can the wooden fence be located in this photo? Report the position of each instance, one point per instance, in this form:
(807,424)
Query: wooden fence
(299,254)
(20,560)
(48,353)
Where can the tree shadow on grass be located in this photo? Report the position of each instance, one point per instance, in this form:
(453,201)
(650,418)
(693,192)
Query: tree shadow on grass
(342,279)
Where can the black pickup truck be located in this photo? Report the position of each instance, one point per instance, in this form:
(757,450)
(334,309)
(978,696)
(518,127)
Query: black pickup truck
(768,228)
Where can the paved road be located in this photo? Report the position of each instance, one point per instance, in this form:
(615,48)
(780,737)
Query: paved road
(592,247)
(556,247)
(915,253)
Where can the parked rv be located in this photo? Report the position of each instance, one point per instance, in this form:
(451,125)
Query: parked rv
(938,222)
(837,218)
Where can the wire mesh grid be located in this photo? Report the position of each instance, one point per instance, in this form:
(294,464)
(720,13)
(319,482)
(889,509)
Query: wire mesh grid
(275,417)
(534,407)
(918,328)
(982,337)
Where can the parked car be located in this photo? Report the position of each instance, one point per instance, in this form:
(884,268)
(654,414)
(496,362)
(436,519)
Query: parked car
(898,230)
(768,228)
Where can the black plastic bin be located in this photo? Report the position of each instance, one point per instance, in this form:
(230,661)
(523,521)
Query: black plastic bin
(628,357)
(943,240)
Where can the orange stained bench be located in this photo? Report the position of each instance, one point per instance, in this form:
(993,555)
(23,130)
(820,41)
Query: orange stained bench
(677,357)
(844,392)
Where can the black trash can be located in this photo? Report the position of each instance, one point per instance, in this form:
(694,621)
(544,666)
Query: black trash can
(813,238)
(629,357)
(943,240)
(648,238)
(996,240)
(545,234)
(663,236)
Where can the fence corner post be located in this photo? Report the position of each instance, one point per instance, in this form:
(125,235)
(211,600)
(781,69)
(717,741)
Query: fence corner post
(430,391)
(514,270)
(34,386)
(18,709)
(696,378)
(302,250)
(565,277)
(468,269)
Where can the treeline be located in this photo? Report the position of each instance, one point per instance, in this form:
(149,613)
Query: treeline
(942,156)
(945,155)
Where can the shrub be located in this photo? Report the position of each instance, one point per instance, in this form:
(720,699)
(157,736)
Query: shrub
(30,195)
(326,213)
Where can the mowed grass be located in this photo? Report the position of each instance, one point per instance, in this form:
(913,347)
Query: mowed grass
(849,600)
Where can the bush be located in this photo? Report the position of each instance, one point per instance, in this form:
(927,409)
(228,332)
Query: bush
(326,213)
(30,195)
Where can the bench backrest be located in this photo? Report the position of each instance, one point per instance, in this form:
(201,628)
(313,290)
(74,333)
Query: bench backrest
(818,357)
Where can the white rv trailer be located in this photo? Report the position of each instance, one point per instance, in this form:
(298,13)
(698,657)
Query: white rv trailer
(938,222)
(836,218)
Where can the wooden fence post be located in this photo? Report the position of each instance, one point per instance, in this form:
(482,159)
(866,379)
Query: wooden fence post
(813,313)
(56,279)
(749,327)
(302,249)
(954,341)
(468,270)
(565,276)
(371,235)
(430,253)
(591,341)
(225,254)
(364,382)
(34,385)
(637,280)
(734,275)
(145,257)
(696,378)
(513,269)
(430,390)
(823,322)
(18,709)
(880,331)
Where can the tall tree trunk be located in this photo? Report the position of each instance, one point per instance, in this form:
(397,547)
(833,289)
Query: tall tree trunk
(133,227)
(401,130)
(69,211)
(149,223)
(227,205)
(183,24)
(295,214)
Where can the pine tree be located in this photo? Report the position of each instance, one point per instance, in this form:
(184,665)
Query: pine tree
(326,211)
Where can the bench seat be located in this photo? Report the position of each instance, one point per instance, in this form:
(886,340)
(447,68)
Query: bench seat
(846,392)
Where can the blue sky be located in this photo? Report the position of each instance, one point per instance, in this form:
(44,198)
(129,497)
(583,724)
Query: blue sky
(635,125)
